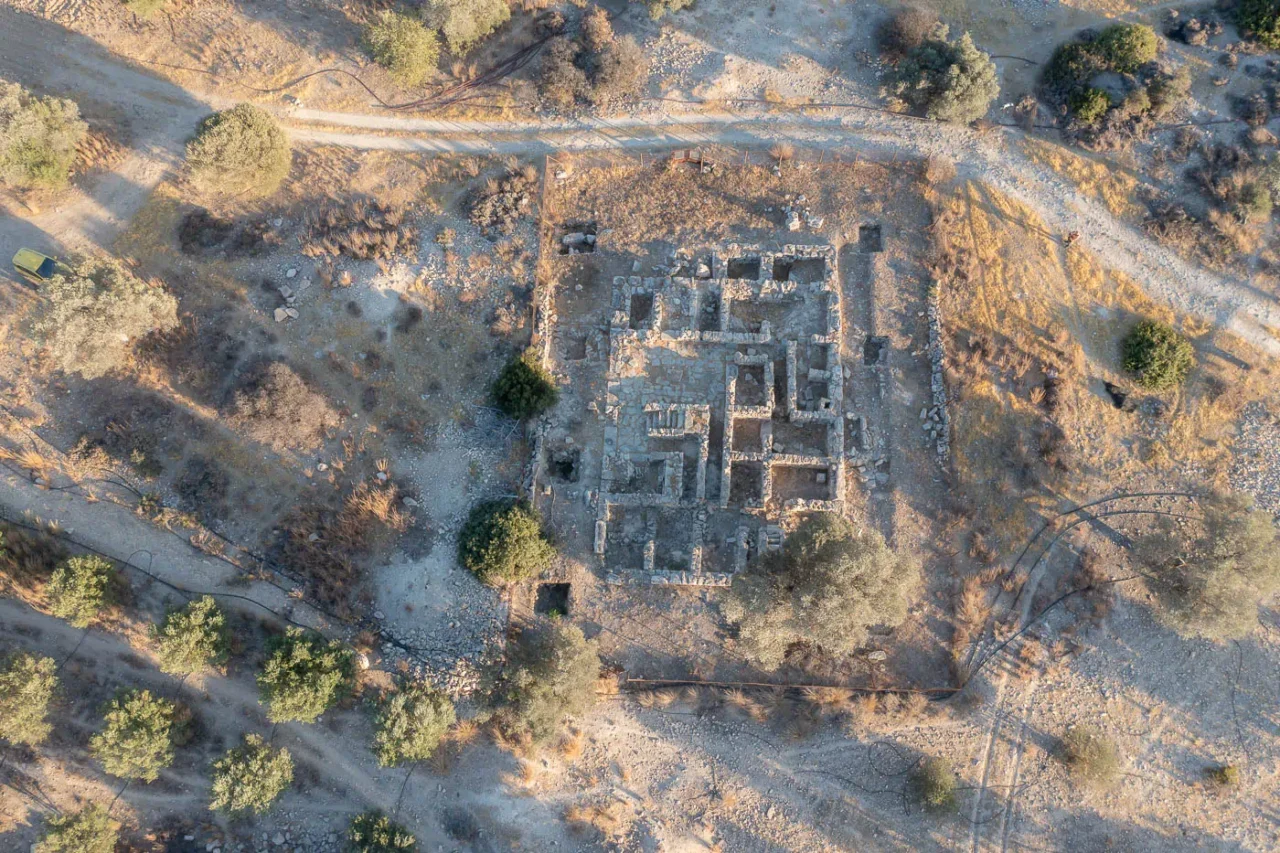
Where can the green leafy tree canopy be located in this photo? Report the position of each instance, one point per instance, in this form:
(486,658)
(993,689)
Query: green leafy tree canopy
(411,723)
(502,543)
(193,639)
(38,138)
(826,586)
(96,314)
(1260,19)
(241,151)
(551,674)
(27,684)
(1211,583)
(463,23)
(249,778)
(78,589)
(90,830)
(946,80)
(403,45)
(1157,355)
(137,740)
(304,676)
(524,389)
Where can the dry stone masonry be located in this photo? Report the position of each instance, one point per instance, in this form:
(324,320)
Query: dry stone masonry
(723,412)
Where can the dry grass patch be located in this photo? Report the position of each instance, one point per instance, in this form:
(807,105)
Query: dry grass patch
(1098,180)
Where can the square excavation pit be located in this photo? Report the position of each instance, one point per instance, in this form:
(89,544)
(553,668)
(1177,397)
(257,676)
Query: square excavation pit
(722,412)
(553,599)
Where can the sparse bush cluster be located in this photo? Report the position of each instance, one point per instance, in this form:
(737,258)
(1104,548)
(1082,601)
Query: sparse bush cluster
(1097,119)
(502,543)
(463,23)
(1091,756)
(524,389)
(945,80)
(501,203)
(277,408)
(38,138)
(551,674)
(364,229)
(326,547)
(403,45)
(1236,181)
(827,585)
(90,830)
(597,67)
(97,312)
(905,31)
(660,8)
(374,832)
(239,152)
(303,676)
(250,777)
(1210,583)
(27,684)
(1157,356)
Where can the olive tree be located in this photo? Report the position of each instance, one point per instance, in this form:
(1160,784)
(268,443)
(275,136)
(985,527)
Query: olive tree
(550,674)
(946,80)
(249,778)
(403,45)
(90,830)
(303,677)
(1157,355)
(241,151)
(1210,583)
(97,312)
(27,684)
(826,586)
(78,589)
(463,23)
(38,138)
(524,389)
(502,542)
(411,723)
(193,638)
(137,740)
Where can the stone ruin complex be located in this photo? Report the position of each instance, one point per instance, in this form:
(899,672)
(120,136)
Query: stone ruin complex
(723,412)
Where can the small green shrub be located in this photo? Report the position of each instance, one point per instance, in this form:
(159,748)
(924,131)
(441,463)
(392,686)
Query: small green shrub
(1089,105)
(374,832)
(1091,756)
(1157,355)
(463,23)
(551,674)
(411,723)
(27,684)
(304,676)
(90,830)
(78,589)
(241,151)
(946,80)
(934,784)
(137,740)
(1125,48)
(193,639)
(1072,65)
(251,777)
(502,543)
(96,314)
(1255,202)
(1223,775)
(145,8)
(1168,92)
(1260,19)
(524,389)
(659,8)
(403,45)
(38,138)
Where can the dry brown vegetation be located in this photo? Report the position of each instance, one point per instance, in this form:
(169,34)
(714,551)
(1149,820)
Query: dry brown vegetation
(361,228)
(276,407)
